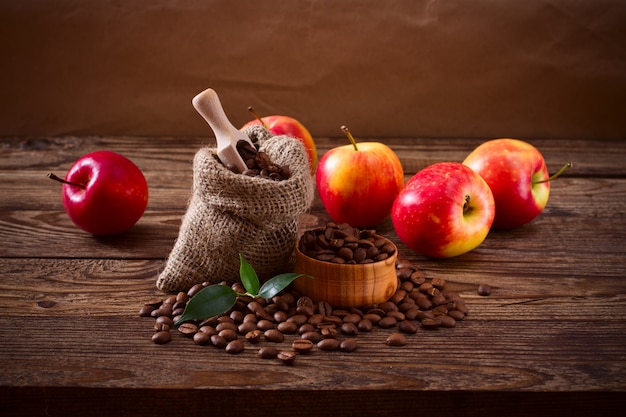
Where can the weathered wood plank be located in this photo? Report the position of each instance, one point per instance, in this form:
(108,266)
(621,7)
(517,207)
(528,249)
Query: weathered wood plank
(590,157)
(115,351)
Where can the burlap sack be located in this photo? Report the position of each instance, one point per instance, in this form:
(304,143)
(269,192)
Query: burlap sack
(230,213)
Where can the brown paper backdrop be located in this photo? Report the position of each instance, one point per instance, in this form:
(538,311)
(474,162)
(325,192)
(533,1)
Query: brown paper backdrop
(385,68)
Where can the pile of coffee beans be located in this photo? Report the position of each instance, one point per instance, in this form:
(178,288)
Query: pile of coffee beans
(289,324)
(344,244)
(258,163)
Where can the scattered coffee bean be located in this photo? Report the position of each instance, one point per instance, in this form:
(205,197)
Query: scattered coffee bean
(234,347)
(431,323)
(302,345)
(418,301)
(218,341)
(484,290)
(268,352)
(188,329)
(348,345)
(274,335)
(254,336)
(201,338)
(162,337)
(328,344)
(287,358)
(396,339)
(407,326)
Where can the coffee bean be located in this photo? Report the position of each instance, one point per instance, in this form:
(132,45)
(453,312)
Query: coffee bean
(209,330)
(456,314)
(407,326)
(201,338)
(348,345)
(349,329)
(373,318)
(447,321)
(226,325)
(396,339)
(431,323)
(328,332)
(280,316)
(302,345)
(287,327)
(306,327)
(387,322)
(352,318)
(218,341)
(328,344)
(484,290)
(228,334)
(246,327)
(287,358)
(298,319)
(273,335)
(365,325)
(162,337)
(264,325)
(398,315)
(165,320)
(324,308)
(312,336)
(188,329)
(254,336)
(268,352)
(234,347)
(146,311)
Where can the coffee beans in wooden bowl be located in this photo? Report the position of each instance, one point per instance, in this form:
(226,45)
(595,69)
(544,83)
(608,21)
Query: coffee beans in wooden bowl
(351,267)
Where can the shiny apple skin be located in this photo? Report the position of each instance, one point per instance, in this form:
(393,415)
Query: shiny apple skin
(359,187)
(510,166)
(115,194)
(285,125)
(428,214)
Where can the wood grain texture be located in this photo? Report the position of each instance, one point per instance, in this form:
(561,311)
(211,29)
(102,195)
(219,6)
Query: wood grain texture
(550,339)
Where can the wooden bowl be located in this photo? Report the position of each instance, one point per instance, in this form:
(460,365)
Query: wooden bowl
(347,285)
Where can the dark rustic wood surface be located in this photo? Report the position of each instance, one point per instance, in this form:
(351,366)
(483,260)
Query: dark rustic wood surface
(551,338)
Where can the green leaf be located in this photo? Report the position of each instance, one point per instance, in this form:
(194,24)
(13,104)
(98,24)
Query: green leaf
(248,276)
(276,284)
(209,302)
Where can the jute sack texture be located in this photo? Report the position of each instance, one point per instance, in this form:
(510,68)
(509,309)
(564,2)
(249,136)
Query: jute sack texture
(230,214)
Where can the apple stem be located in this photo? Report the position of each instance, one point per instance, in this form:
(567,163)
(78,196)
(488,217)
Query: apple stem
(61,180)
(349,135)
(256,115)
(466,204)
(558,173)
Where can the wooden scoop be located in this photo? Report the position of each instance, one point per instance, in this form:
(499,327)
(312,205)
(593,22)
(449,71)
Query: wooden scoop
(208,105)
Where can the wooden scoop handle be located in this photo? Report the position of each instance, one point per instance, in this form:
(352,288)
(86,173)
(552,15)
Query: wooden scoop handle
(207,103)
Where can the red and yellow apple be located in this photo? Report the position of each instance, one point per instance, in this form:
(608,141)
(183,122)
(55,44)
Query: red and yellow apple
(285,125)
(444,210)
(104,193)
(518,177)
(358,183)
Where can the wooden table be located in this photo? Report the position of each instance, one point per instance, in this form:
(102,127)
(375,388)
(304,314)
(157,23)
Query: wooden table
(551,338)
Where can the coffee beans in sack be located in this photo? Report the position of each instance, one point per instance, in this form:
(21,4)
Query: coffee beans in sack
(231,214)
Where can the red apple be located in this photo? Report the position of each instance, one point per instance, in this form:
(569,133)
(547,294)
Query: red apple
(444,210)
(358,183)
(285,125)
(104,193)
(518,177)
